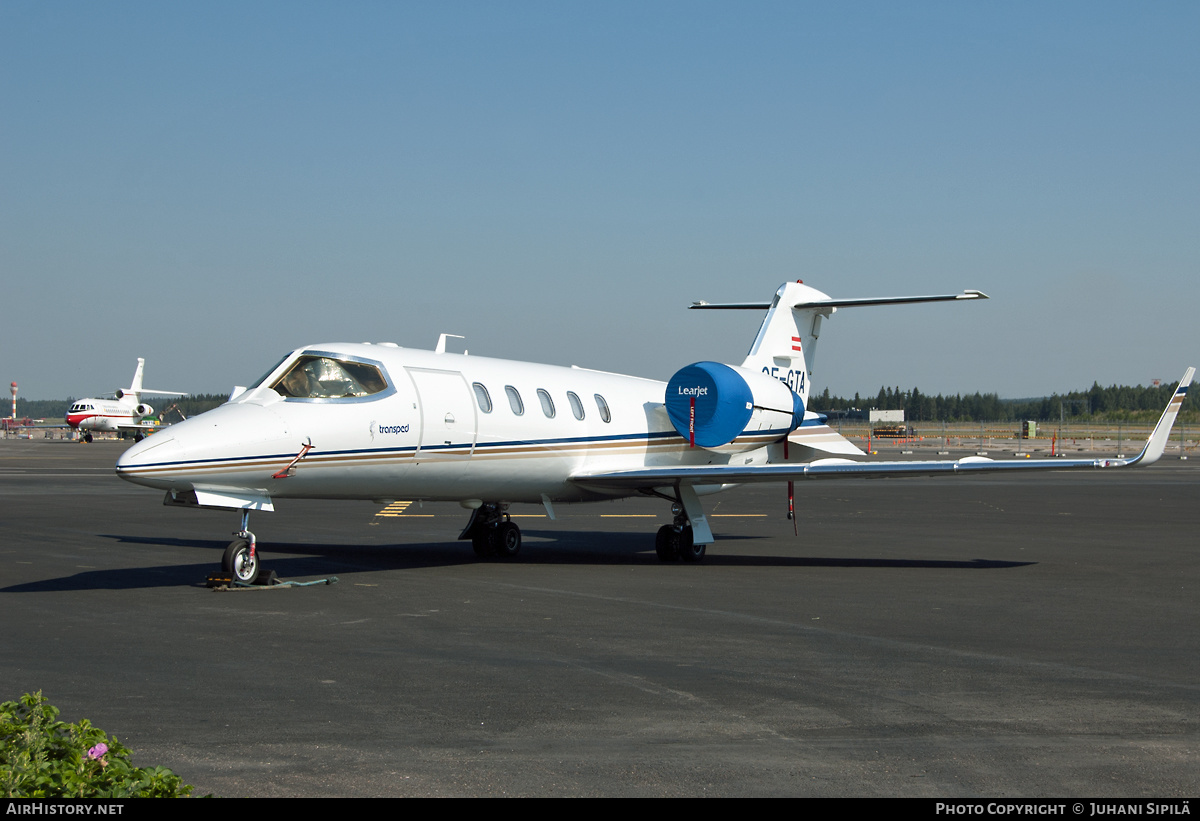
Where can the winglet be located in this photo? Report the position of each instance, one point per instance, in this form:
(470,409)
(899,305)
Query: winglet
(1157,442)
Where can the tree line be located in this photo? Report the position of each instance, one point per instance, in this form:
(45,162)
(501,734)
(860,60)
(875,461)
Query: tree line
(1117,403)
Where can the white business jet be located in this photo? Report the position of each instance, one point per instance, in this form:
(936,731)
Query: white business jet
(380,422)
(127,412)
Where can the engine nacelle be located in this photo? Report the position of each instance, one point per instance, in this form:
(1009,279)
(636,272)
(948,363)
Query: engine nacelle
(143,410)
(729,409)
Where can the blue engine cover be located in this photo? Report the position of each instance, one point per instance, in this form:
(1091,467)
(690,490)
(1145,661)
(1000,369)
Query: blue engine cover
(724,403)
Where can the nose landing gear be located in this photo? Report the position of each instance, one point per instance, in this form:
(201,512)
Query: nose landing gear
(241,557)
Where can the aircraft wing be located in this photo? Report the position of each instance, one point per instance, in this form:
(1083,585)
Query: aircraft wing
(677,475)
(824,469)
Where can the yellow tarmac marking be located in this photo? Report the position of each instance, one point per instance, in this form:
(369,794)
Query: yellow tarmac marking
(396,510)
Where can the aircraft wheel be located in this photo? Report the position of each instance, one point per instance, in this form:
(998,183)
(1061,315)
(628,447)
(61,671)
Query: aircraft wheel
(238,561)
(666,544)
(87,437)
(689,551)
(507,540)
(481,543)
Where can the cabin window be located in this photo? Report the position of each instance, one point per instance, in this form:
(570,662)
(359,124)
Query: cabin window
(323,377)
(514,401)
(482,397)
(603,406)
(547,403)
(576,405)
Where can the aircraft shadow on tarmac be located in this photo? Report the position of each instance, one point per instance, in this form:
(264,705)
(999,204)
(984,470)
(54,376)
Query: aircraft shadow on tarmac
(306,561)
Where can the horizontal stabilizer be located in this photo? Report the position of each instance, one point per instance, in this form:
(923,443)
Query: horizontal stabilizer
(840,303)
(889,300)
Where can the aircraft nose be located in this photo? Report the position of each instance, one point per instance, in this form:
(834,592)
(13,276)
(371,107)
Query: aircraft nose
(139,463)
(228,439)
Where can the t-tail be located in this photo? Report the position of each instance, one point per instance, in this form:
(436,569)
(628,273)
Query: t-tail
(786,345)
(135,388)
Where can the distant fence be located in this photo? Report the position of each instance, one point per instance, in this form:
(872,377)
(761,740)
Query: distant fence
(1105,438)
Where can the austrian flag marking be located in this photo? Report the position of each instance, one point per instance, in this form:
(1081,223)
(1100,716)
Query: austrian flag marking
(796,344)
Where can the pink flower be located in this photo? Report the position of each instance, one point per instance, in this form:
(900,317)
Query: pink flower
(98,751)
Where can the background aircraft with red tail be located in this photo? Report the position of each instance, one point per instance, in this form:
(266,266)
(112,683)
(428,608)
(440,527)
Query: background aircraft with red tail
(124,413)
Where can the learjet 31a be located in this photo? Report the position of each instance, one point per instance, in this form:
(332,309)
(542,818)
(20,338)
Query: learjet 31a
(380,422)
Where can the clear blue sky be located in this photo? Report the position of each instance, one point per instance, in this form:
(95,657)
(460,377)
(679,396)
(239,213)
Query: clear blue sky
(210,184)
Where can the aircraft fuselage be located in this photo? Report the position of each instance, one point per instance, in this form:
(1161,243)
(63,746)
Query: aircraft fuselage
(101,415)
(435,426)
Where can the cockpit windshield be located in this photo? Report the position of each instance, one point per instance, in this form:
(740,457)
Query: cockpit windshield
(323,377)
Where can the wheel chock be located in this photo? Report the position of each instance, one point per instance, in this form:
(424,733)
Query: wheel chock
(266,578)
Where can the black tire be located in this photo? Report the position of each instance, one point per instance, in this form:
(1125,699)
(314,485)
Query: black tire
(666,544)
(507,540)
(481,543)
(238,562)
(689,551)
(87,437)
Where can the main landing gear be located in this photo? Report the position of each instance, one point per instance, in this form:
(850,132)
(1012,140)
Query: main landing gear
(241,557)
(677,541)
(492,532)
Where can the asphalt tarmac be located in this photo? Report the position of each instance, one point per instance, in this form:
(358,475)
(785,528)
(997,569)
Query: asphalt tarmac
(995,636)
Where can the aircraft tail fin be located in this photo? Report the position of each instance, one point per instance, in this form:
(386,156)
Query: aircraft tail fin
(787,338)
(136,386)
(786,344)
(134,390)
(1157,442)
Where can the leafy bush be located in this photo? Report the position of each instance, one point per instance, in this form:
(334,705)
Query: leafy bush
(41,757)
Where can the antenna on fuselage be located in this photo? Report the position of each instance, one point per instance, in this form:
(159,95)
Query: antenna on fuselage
(441,346)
